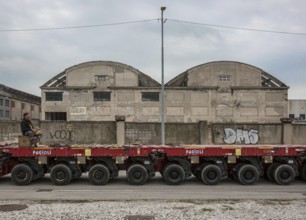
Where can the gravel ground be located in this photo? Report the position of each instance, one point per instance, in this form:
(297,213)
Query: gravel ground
(129,210)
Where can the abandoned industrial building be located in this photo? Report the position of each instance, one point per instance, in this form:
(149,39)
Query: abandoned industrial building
(13,103)
(223,91)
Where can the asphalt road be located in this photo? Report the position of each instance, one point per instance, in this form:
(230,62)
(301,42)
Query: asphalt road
(156,189)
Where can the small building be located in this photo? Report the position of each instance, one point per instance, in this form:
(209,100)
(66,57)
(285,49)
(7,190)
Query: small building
(13,103)
(297,109)
(223,91)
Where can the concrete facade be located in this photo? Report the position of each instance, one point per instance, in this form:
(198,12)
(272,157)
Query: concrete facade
(14,103)
(222,91)
(297,109)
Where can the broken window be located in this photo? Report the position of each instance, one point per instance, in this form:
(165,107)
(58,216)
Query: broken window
(13,104)
(32,107)
(56,116)
(224,78)
(302,116)
(102,96)
(1,113)
(7,103)
(54,96)
(150,96)
(7,114)
(291,116)
(1,101)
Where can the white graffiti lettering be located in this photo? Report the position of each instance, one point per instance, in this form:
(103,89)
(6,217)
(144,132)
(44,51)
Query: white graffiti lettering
(194,152)
(41,152)
(240,136)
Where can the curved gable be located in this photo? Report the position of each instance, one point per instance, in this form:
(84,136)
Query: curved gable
(225,73)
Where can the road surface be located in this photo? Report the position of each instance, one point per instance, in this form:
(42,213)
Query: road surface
(156,189)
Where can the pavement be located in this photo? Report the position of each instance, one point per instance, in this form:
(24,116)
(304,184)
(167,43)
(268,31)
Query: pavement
(156,189)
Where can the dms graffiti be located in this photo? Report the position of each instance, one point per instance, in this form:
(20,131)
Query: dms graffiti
(240,136)
(64,134)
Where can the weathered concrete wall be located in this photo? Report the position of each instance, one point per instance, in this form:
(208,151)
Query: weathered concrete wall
(120,132)
(79,132)
(247,133)
(298,133)
(149,133)
(10,130)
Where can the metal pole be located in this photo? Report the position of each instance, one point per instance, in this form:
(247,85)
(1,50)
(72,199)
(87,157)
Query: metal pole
(162,79)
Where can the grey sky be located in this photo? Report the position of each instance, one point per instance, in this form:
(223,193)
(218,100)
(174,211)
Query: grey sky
(29,59)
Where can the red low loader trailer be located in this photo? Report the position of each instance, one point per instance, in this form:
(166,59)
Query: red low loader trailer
(209,163)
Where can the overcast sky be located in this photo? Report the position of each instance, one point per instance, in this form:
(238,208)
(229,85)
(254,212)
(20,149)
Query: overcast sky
(29,59)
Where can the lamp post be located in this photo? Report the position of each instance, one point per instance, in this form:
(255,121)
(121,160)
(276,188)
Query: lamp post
(162,79)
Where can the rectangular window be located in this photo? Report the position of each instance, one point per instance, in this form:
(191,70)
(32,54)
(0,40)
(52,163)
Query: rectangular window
(1,113)
(102,78)
(22,105)
(56,116)
(54,96)
(291,116)
(150,96)
(1,102)
(7,114)
(224,78)
(102,96)
(32,107)
(13,104)
(7,103)
(302,116)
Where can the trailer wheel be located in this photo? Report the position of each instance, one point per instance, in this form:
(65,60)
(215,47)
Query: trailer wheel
(99,174)
(173,174)
(270,170)
(234,171)
(302,172)
(284,174)
(60,174)
(248,174)
(211,174)
(137,174)
(22,174)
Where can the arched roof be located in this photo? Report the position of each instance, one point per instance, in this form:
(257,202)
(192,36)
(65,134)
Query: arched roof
(59,81)
(267,80)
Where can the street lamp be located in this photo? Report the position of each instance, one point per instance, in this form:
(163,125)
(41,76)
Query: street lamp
(162,78)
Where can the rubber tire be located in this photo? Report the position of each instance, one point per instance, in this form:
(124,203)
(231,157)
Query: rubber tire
(247,169)
(141,174)
(302,172)
(65,170)
(270,170)
(207,170)
(28,174)
(278,171)
(172,169)
(234,174)
(100,178)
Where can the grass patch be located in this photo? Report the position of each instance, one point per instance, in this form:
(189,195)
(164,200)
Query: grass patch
(207,210)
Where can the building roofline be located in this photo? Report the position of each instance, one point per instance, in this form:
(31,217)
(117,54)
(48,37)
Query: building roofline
(20,95)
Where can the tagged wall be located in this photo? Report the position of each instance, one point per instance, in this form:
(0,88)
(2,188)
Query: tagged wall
(79,132)
(247,133)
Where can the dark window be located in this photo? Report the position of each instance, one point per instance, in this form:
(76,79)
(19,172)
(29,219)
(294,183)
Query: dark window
(22,105)
(7,103)
(1,101)
(13,104)
(1,113)
(7,114)
(224,78)
(54,96)
(102,78)
(291,116)
(32,107)
(102,96)
(150,96)
(302,116)
(56,116)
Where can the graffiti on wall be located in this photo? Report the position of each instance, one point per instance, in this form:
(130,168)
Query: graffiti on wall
(240,136)
(64,133)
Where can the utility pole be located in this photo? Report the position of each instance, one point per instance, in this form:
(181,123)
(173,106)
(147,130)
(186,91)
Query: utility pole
(162,79)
